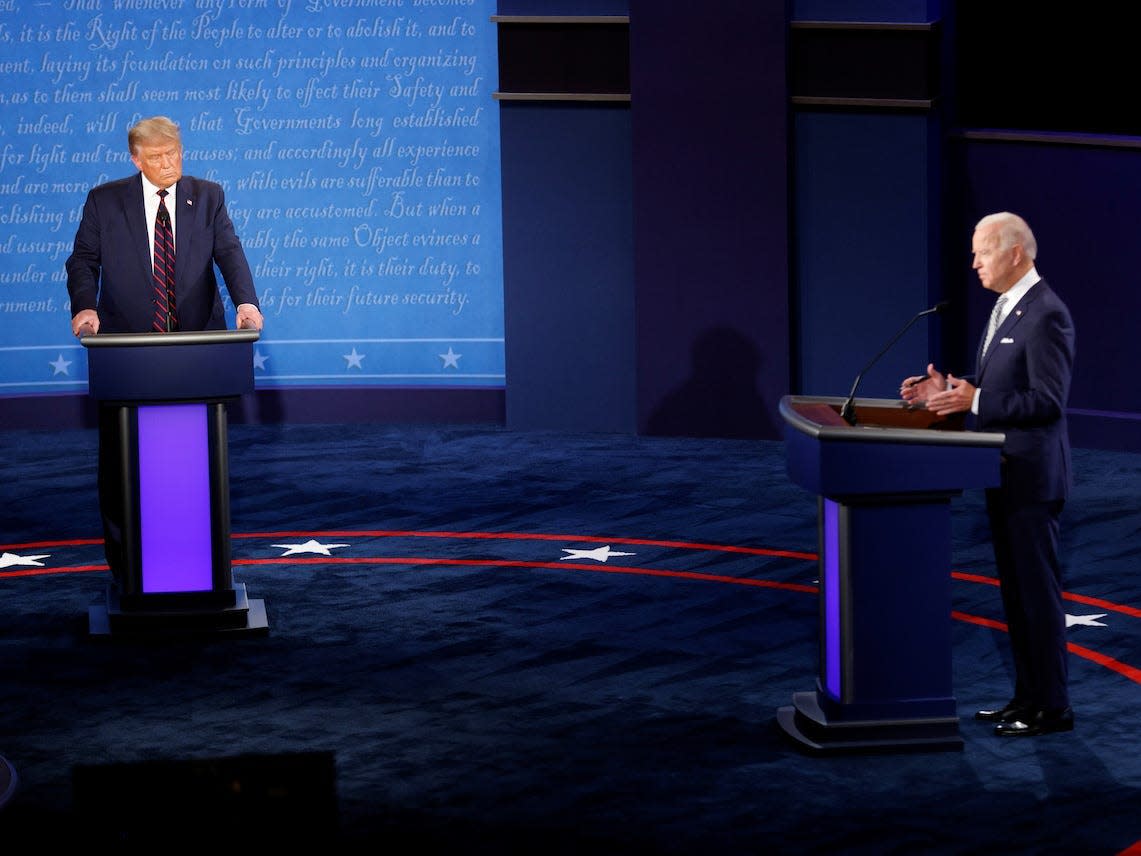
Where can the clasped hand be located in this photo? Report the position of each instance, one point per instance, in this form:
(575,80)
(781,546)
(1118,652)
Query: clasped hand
(85,323)
(939,393)
(248,317)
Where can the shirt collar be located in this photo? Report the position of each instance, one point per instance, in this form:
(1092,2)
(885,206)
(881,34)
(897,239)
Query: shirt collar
(152,189)
(1017,291)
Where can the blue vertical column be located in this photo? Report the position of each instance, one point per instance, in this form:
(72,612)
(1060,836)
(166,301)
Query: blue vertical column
(867,190)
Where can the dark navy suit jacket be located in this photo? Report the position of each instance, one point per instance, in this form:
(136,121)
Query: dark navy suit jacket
(1025,382)
(109,269)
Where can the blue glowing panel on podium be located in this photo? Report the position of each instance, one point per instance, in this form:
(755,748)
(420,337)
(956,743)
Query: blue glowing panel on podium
(174,498)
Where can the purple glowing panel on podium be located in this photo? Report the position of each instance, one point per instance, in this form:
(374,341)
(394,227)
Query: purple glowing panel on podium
(830,590)
(174,498)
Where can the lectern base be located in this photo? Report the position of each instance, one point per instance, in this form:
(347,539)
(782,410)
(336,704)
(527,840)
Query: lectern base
(167,615)
(806,723)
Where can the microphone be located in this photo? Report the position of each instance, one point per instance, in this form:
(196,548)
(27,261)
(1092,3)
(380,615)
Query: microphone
(848,411)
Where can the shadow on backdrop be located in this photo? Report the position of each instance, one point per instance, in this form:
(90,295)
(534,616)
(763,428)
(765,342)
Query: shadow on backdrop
(720,398)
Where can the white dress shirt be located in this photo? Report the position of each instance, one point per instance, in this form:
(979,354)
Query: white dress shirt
(150,204)
(1013,294)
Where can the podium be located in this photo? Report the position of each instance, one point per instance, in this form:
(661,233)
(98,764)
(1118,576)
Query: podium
(884,488)
(168,394)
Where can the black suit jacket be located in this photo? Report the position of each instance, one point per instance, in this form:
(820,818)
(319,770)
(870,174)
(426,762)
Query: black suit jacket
(109,269)
(1025,382)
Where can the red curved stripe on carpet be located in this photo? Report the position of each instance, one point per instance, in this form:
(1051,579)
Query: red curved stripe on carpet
(518,563)
(1123,669)
(1130,672)
(528,536)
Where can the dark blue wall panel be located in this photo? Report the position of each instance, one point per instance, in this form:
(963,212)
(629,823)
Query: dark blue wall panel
(568,275)
(915,11)
(710,215)
(865,249)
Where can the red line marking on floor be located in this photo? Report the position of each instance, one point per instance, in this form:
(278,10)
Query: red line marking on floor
(1096,602)
(1123,669)
(43,572)
(1130,672)
(530,536)
(35,545)
(516,563)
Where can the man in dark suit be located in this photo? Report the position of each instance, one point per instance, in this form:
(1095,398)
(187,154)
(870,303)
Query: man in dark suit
(1025,364)
(111,273)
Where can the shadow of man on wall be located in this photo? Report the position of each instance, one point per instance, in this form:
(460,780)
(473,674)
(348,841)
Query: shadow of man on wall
(720,398)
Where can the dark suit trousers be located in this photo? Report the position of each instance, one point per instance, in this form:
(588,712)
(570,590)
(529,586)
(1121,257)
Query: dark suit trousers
(1025,537)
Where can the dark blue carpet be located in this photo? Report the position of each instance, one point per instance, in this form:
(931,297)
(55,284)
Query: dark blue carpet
(459,662)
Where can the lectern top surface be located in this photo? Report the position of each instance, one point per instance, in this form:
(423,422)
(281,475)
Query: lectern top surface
(189,337)
(878,420)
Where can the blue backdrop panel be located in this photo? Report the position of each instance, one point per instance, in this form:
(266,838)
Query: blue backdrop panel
(709,113)
(567,280)
(359,151)
(862,249)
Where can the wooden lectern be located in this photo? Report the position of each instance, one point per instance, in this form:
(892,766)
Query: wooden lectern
(884,487)
(169,394)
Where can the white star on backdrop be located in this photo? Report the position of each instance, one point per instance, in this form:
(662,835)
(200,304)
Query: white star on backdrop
(309,546)
(259,360)
(60,365)
(598,554)
(1085,620)
(9,560)
(353,360)
(451,358)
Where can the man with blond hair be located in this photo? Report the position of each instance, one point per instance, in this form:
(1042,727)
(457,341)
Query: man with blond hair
(116,265)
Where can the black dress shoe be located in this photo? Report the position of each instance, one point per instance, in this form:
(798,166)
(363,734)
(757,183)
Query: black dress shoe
(1040,722)
(1011,712)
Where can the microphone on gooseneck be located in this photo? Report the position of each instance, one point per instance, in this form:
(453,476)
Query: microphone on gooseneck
(848,411)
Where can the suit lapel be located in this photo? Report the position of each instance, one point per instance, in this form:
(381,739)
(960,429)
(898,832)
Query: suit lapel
(1008,324)
(183,225)
(135,213)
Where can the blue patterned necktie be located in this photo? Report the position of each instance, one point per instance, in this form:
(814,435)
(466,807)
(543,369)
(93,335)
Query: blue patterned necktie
(995,320)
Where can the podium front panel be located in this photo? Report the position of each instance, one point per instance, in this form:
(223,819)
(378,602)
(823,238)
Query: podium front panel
(160,373)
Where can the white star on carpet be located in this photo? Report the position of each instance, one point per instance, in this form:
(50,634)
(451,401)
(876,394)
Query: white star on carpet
(309,546)
(60,365)
(1085,620)
(259,360)
(9,560)
(599,554)
(353,360)
(451,358)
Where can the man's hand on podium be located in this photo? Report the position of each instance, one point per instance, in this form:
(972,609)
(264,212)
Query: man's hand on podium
(249,317)
(85,323)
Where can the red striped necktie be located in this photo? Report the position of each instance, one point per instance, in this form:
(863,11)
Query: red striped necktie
(166,317)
